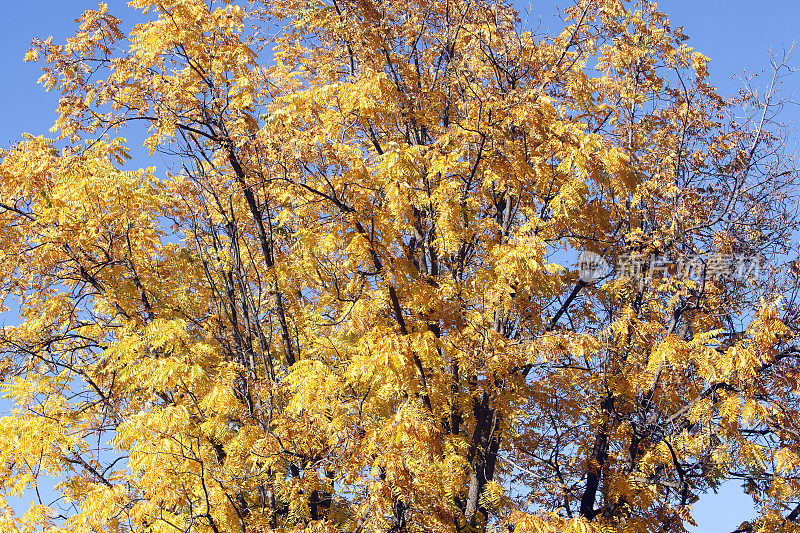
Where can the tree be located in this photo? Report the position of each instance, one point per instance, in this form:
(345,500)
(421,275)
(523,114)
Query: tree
(348,300)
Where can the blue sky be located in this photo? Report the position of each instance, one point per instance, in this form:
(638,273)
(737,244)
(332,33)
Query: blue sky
(733,33)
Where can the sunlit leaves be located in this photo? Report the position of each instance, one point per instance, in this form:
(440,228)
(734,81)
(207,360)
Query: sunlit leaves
(348,303)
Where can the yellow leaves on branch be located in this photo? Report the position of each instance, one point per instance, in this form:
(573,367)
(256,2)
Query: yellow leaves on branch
(344,297)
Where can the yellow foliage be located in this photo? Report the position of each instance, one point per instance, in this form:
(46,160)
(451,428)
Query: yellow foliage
(343,297)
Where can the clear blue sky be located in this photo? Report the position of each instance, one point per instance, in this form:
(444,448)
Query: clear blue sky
(733,33)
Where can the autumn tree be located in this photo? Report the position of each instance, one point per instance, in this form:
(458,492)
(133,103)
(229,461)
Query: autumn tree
(344,297)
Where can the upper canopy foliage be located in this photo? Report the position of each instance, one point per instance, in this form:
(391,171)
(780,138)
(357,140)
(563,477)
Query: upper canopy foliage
(349,303)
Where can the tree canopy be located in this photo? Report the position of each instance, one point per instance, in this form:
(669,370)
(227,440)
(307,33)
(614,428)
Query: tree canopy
(344,298)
